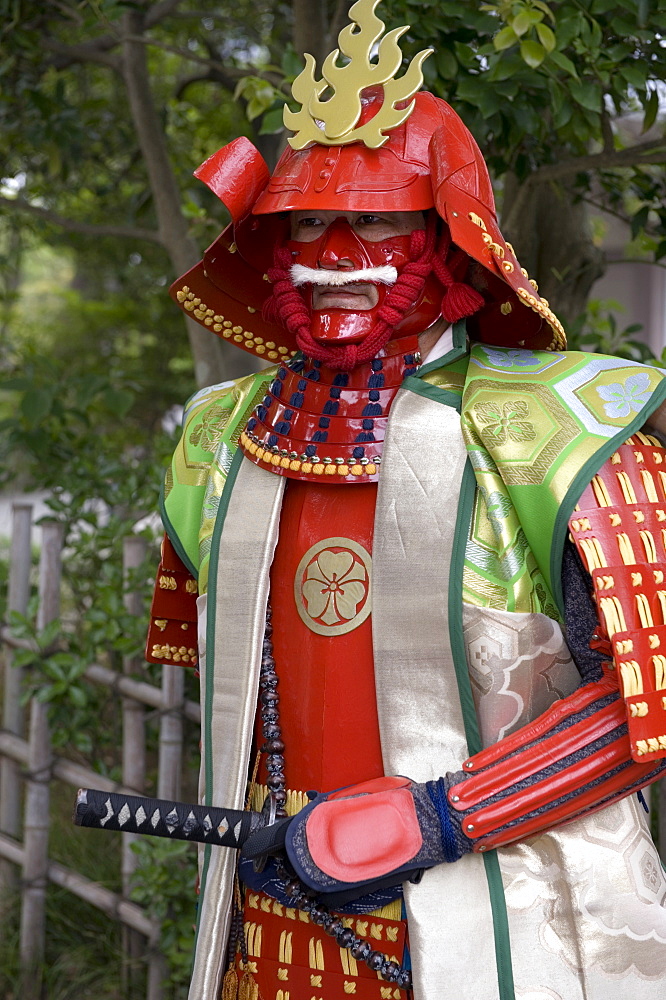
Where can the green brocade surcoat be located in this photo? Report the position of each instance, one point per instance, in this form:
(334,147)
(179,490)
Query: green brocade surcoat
(486,454)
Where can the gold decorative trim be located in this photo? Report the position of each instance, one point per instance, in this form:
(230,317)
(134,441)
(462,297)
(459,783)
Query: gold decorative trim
(539,305)
(218,324)
(559,342)
(174,654)
(307,468)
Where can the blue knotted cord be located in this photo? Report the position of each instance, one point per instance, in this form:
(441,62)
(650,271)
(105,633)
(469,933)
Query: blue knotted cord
(437,792)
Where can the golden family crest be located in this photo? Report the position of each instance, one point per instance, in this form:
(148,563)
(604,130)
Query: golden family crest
(333,121)
(332,586)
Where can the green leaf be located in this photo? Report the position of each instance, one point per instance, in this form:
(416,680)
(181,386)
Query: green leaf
(292,63)
(545,8)
(634,73)
(254,108)
(78,696)
(546,37)
(526,20)
(651,109)
(447,64)
(36,404)
(50,633)
(271,122)
(587,93)
(533,53)
(24,658)
(591,34)
(12,384)
(464,54)
(562,114)
(639,220)
(616,53)
(564,63)
(504,39)
(118,400)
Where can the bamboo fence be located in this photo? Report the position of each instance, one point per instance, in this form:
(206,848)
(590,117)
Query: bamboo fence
(28,765)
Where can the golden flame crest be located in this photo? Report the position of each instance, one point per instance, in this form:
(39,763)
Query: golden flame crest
(333,122)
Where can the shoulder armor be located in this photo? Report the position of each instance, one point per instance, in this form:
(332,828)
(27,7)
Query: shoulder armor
(212,423)
(619,529)
(172,633)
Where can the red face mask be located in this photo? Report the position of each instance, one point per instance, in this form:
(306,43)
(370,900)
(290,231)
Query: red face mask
(339,250)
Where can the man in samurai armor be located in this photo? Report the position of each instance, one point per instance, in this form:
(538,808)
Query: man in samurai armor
(429,553)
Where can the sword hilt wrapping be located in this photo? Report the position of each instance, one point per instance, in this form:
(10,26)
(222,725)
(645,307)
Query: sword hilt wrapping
(164,818)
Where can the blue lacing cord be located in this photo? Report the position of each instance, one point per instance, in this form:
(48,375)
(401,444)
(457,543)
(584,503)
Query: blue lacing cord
(437,792)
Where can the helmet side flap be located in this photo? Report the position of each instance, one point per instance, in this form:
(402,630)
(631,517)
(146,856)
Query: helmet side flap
(514,314)
(226,291)
(225,294)
(237,174)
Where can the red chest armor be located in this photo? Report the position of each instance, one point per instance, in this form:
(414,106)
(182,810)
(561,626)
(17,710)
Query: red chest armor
(321,598)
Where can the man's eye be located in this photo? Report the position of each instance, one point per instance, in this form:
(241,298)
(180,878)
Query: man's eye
(369,220)
(310,221)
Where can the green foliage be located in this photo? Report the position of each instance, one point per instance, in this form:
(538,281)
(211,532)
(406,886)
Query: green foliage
(83,958)
(659,362)
(75,428)
(164,884)
(259,94)
(95,627)
(525,27)
(83,954)
(597,331)
(539,83)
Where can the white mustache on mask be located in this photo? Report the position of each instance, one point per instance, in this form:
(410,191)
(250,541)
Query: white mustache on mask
(384,275)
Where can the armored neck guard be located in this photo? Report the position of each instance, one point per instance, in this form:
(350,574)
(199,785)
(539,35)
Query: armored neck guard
(320,425)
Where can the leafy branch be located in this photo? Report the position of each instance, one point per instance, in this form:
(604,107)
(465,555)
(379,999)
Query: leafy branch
(75,226)
(633,156)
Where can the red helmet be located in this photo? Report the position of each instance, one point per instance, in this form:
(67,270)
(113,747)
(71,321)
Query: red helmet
(397,155)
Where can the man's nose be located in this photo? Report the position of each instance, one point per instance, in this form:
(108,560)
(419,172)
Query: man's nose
(337,246)
(330,260)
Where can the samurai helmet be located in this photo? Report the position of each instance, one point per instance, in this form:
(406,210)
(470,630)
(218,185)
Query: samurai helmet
(365,141)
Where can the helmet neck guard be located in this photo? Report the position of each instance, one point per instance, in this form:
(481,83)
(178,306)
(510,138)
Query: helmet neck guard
(323,425)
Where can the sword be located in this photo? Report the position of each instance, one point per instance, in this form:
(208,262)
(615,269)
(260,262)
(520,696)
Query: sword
(164,818)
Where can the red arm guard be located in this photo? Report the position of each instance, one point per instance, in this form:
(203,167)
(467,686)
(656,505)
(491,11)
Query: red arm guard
(608,738)
(573,760)
(620,532)
(172,634)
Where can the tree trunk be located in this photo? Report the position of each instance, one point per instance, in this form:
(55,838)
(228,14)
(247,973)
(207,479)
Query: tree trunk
(339,17)
(310,27)
(551,234)
(213,360)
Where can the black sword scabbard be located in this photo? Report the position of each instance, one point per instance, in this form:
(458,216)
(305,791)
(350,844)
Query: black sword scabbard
(163,818)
